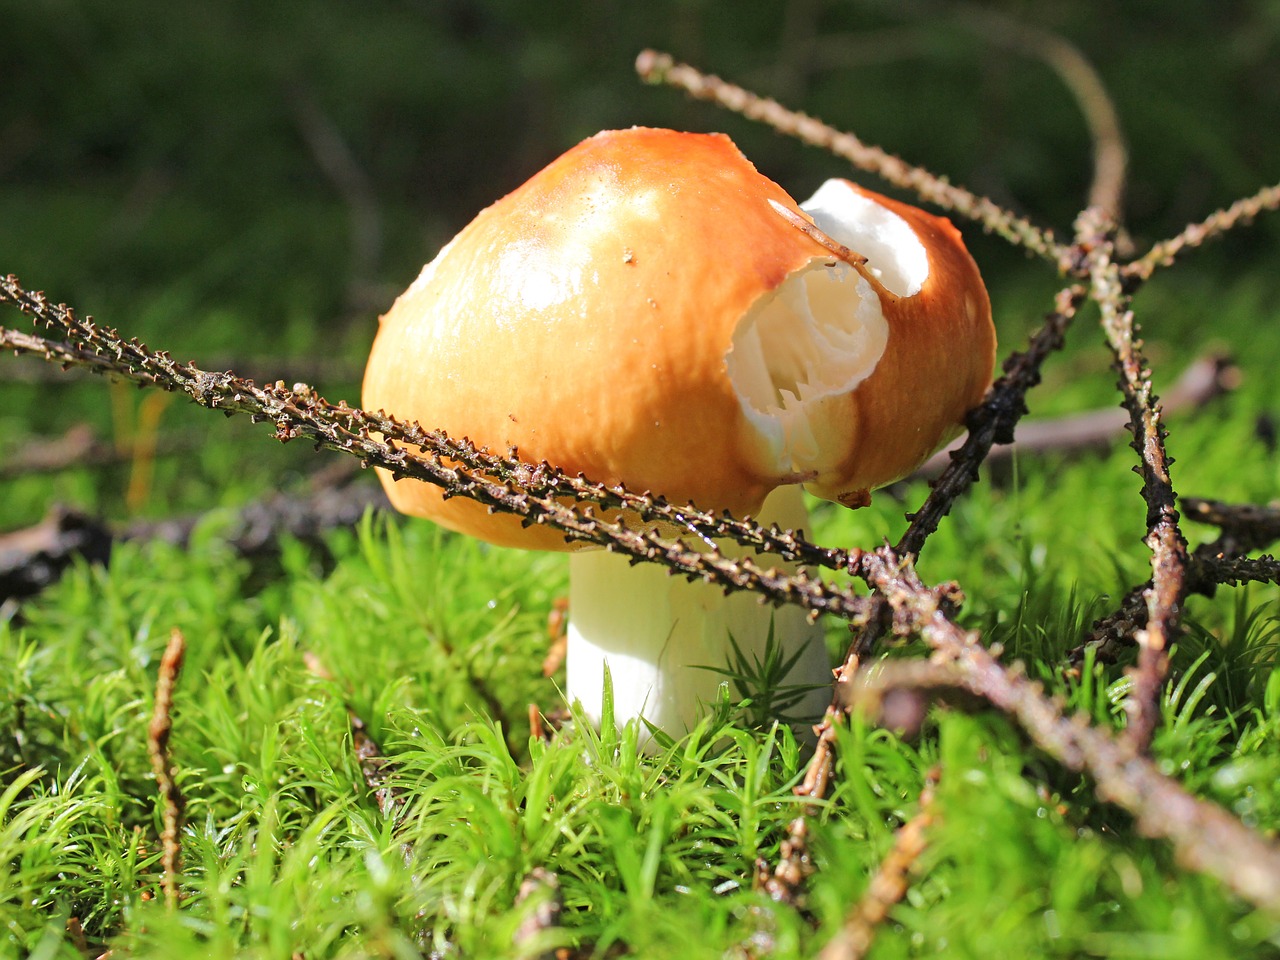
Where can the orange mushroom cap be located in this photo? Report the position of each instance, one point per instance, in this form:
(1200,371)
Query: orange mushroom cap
(586,320)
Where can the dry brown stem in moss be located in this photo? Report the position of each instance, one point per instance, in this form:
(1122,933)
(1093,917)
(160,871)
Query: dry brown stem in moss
(889,883)
(171,799)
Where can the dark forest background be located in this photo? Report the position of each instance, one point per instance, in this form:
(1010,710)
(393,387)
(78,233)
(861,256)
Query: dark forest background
(245,182)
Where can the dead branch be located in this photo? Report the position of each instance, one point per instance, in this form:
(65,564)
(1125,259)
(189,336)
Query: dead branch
(655,67)
(1245,527)
(171,798)
(33,558)
(1208,568)
(1248,525)
(1205,380)
(994,421)
(1238,570)
(1110,155)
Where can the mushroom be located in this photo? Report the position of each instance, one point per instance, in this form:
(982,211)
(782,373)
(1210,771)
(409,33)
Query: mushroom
(649,310)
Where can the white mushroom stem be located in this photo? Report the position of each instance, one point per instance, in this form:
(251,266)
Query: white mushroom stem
(659,632)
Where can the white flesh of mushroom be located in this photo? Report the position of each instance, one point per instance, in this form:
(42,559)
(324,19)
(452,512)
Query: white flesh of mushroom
(822,332)
(819,335)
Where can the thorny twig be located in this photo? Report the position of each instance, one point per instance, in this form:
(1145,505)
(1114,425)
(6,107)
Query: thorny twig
(171,799)
(1245,523)
(655,67)
(994,421)
(895,693)
(1245,527)
(1095,231)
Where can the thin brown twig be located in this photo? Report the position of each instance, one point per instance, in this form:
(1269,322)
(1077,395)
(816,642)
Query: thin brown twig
(1095,231)
(1166,252)
(171,799)
(1205,837)
(655,67)
(1078,75)
(994,421)
(889,884)
(1250,521)
(1238,570)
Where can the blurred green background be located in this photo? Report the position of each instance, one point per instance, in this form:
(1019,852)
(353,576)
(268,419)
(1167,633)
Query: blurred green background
(242,183)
